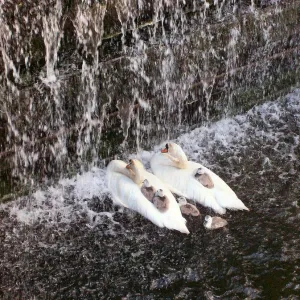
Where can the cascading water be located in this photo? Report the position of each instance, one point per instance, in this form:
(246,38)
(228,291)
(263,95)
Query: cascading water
(80,77)
(84,80)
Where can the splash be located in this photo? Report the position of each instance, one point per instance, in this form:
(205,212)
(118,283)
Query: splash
(75,198)
(84,80)
(73,243)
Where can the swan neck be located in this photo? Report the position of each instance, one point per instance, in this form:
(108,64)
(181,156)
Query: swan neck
(123,170)
(179,162)
(182,164)
(138,176)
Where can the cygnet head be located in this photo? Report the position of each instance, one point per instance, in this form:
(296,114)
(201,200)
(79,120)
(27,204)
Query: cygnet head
(146,183)
(207,221)
(174,150)
(160,193)
(134,165)
(182,201)
(200,171)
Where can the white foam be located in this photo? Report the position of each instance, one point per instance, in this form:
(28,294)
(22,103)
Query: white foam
(68,200)
(63,203)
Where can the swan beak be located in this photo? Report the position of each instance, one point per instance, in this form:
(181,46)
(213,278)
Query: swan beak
(128,167)
(165,150)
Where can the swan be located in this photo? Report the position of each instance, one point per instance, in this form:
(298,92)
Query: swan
(187,208)
(214,222)
(125,181)
(161,201)
(204,178)
(148,190)
(193,181)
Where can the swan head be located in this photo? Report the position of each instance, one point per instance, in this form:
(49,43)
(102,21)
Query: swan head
(200,171)
(175,151)
(182,201)
(146,183)
(136,170)
(160,193)
(207,221)
(134,165)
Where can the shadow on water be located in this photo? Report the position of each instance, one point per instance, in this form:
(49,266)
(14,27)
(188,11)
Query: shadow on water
(106,252)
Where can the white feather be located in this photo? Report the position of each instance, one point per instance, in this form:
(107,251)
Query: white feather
(182,181)
(127,193)
(224,195)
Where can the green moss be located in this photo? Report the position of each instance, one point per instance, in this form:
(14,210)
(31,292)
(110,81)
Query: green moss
(37,47)
(111,141)
(9,188)
(246,98)
(13,196)
(5,187)
(37,50)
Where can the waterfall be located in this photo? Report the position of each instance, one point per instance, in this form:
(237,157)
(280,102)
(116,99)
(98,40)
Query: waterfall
(84,80)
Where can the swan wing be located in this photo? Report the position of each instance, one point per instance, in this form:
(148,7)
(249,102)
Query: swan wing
(128,194)
(173,218)
(183,183)
(224,195)
(228,201)
(125,192)
(219,183)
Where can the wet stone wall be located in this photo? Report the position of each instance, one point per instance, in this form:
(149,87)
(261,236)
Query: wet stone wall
(84,80)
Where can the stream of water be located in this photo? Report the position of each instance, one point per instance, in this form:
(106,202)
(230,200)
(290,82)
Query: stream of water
(69,241)
(82,80)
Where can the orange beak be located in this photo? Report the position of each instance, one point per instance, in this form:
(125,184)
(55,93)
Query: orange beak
(128,167)
(165,150)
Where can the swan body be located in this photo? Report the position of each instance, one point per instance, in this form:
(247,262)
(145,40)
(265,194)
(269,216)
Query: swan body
(188,208)
(214,222)
(180,175)
(125,181)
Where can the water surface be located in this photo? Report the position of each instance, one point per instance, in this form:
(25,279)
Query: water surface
(69,242)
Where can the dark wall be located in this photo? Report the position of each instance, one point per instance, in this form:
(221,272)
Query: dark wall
(129,75)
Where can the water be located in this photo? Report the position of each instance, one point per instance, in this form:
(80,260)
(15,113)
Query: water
(68,241)
(84,80)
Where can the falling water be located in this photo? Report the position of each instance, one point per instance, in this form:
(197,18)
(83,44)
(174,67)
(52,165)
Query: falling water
(85,80)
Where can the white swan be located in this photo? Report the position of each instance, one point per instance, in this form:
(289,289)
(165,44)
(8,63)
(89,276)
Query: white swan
(182,177)
(125,182)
